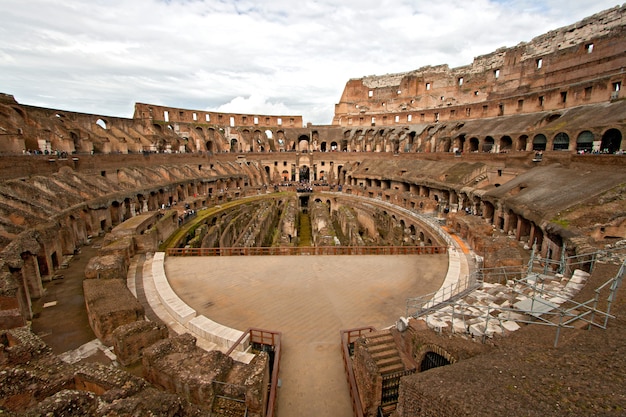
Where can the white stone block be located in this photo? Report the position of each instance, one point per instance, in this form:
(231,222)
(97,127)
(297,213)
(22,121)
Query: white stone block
(511,326)
(477,329)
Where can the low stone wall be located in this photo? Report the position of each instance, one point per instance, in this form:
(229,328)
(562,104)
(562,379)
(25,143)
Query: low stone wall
(179,366)
(109,305)
(130,339)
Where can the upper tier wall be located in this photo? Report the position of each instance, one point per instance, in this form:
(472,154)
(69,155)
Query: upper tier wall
(574,65)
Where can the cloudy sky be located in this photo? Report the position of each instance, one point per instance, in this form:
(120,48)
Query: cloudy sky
(279,57)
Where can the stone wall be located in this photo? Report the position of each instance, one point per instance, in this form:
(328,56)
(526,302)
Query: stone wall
(525,78)
(109,305)
(177,365)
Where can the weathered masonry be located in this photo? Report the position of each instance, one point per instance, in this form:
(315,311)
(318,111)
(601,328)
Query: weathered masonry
(521,151)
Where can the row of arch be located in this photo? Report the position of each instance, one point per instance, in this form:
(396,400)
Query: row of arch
(586,142)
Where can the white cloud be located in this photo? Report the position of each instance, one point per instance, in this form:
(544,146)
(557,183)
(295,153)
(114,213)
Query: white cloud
(269,57)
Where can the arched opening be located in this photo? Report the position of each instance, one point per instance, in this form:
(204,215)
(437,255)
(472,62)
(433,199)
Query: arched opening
(539,142)
(333,146)
(209,146)
(233,145)
(323,147)
(303,143)
(432,360)
(584,142)
(611,141)
(304,173)
(473,145)
(488,144)
(506,144)
(561,142)
(102,124)
(459,144)
(285,175)
(521,143)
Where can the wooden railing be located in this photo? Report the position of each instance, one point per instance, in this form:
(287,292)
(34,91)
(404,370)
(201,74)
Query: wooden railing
(267,338)
(312,250)
(347,339)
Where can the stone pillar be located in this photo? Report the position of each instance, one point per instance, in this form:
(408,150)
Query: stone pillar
(32,277)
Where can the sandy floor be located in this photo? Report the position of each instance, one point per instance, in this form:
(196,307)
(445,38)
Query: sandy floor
(309,300)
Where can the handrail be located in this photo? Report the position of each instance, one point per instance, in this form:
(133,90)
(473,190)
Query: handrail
(264,337)
(309,250)
(348,337)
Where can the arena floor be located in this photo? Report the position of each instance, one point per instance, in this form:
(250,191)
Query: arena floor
(309,299)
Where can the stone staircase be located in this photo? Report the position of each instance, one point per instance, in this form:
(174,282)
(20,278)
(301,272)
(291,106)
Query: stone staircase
(383,350)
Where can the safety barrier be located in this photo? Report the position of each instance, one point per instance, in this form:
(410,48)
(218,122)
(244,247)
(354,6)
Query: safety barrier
(310,250)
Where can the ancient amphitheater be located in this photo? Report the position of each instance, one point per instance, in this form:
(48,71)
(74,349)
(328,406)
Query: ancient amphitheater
(453,244)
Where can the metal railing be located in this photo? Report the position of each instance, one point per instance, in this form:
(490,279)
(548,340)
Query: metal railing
(266,338)
(418,306)
(347,345)
(594,312)
(312,250)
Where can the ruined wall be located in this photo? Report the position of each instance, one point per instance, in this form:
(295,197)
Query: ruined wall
(177,365)
(322,230)
(109,305)
(526,78)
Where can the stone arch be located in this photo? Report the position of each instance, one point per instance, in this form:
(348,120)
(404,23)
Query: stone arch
(506,144)
(539,142)
(304,173)
(522,142)
(584,142)
(473,144)
(611,141)
(233,145)
(560,142)
(102,123)
(458,144)
(333,146)
(488,144)
(303,143)
(429,354)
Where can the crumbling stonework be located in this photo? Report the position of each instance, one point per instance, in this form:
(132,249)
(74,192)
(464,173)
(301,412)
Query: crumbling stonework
(177,365)
(107,267)
(130,339)
(531,156)
(34,382)
(110,305)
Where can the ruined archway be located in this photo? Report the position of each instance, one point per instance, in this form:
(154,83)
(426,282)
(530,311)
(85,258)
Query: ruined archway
(539,142)
(611,141)
(473,144)
(303,143)
(506,144)
(561,142)
(488,144)
(304,173)
(433,360)
(584,142)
